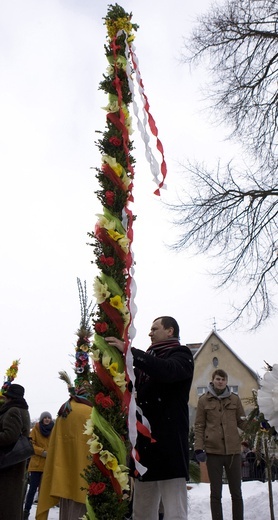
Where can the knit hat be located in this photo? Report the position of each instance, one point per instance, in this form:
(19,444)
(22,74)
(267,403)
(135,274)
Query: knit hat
(14,391)
(45,414)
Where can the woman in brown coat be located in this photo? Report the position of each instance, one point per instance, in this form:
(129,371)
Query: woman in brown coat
(14,420)
(40,436)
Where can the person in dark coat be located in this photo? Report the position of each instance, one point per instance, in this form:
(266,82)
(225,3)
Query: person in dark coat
(163,379)
(259,467)
(14,420)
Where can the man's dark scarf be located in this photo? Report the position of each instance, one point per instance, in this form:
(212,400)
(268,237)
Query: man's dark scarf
(158,350)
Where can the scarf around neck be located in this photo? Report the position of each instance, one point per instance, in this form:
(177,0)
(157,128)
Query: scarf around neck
(159,349)
(226,392)
(46,429)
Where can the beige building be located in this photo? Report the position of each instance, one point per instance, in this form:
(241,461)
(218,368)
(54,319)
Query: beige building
(215,353)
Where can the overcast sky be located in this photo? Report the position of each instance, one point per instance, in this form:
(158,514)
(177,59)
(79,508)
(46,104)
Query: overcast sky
(52,60)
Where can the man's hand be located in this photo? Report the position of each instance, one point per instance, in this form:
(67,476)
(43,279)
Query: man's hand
(115,342)
(200,455)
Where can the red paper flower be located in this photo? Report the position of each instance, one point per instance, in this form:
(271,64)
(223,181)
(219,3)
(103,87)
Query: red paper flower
(96,488)
(116,141)
(109,195)
(101,327)
(104,400)
(107,260)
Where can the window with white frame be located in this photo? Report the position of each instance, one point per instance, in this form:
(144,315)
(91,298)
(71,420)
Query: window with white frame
(201,390)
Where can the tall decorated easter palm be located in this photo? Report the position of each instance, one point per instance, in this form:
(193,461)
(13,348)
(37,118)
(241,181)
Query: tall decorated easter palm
(112,426)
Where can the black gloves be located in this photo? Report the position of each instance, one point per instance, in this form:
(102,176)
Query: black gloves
(200,455)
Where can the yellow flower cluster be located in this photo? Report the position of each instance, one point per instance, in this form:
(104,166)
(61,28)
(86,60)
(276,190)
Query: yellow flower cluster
(120,472)
(11,372)
(121,24)
(110,224)
(118,377)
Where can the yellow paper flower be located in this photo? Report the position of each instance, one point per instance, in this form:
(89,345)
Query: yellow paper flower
(106,360)
(116,167)
(120,24)
(115,235)
(113,106)
(125,314)
(120,381)
(95,355)
(124,243)
(109,160)
(116,302)
(121,474)
(125,112)
(89,428)
(101,292)
(128,120)
(113,369)
(84,347)
(94,446)
(108,460)
(105,223)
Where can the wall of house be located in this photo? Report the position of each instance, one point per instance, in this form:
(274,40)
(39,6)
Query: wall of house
(215,354)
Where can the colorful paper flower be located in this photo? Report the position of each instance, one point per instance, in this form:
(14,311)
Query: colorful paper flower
(121,474)
(116,302)
(109,461)
(110,197)
(101,327)
(96,488)
(107,260)
(95,446)
(115,141)
(104,400)
(101,292)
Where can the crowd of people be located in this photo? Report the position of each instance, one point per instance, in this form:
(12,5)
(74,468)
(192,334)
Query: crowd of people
(253,464)
(163,378)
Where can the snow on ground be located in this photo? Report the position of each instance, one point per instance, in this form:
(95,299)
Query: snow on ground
(255,495)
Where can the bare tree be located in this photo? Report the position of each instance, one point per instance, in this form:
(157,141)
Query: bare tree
(236,222)
(229,213)
(240,38)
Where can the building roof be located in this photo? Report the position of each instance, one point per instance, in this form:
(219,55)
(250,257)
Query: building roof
(194,347)
(213,332)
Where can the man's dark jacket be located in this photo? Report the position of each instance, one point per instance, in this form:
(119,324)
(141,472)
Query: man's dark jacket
(163,382)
